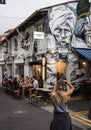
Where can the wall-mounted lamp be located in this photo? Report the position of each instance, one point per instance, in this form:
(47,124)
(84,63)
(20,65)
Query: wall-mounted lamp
(43,67)
(52,53)
(43,61)
(84,64)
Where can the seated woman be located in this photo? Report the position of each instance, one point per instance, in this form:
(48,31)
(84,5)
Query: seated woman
(28,85)
(10,82)
(16,84)
(4,81)
(26,78)
(21,78)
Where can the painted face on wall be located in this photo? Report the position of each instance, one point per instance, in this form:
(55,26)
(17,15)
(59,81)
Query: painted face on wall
(62,22)
(62,33)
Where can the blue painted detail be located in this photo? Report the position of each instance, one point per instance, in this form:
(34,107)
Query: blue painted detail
(86,53)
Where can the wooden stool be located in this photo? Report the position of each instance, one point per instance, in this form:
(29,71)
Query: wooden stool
(32,98)
(39,100)
(16,92)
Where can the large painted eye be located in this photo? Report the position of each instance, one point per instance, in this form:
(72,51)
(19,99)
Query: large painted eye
(57,31)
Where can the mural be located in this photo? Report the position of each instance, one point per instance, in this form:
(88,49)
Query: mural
(68,33)
(25,43)
(63,26)
(51,68)
(15,44)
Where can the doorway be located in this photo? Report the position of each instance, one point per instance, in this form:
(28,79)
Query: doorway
(61,67)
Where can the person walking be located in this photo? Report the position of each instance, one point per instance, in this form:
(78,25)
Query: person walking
(61,118)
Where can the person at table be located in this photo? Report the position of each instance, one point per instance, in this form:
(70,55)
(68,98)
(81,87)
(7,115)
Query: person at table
(10,78)
(4,81)
(61,117)
(40,81)
(31,79)
(16,84)
(28,85)
(35,83)
(26,80)
(10,82)
(21,78)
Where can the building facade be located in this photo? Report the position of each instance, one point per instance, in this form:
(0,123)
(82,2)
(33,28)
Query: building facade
(50,42)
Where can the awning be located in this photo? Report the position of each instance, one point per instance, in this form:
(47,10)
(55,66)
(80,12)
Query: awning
(86,53)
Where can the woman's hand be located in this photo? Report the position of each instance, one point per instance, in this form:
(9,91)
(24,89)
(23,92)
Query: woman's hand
(65,81)
(70,91)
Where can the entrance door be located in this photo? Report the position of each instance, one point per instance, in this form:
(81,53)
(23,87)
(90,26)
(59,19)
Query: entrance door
(37,70)
(61,67)
(21,69)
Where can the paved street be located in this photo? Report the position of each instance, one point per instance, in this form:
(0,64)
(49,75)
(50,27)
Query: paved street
(18,114)
(78,109)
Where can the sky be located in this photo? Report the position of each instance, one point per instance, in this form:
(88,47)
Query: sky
(14,12)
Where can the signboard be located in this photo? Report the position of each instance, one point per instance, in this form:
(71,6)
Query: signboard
(38,35)
(2,1)
(82,9)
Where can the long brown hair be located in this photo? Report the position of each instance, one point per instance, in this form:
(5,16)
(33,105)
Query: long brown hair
(56,94)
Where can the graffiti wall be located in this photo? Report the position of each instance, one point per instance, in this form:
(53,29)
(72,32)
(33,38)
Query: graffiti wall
(66,32)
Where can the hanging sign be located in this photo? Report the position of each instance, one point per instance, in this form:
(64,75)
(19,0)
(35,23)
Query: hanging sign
(38,35)
(2,1)
(82,9)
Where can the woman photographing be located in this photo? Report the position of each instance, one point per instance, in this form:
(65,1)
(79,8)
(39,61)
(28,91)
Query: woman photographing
(59,95)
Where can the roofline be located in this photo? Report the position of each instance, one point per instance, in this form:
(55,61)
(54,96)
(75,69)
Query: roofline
(33,14)
(20,25)
(60,4)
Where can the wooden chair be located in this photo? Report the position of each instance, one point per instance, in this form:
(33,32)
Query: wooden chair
(39,100)
(16,92)
(35,98)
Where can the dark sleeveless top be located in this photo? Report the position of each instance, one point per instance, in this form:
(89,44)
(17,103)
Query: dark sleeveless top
(62,107)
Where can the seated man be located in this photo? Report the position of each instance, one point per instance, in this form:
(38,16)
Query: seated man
(35,83)
(16,84)
(28,85)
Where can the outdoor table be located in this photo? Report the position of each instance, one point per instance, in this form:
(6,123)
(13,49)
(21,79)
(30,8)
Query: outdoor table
(45,92)
(44,89)
(24,86)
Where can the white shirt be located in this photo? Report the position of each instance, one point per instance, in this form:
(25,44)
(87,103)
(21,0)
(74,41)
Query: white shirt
(35,84)
(6,74)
